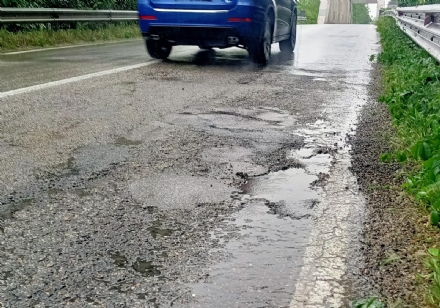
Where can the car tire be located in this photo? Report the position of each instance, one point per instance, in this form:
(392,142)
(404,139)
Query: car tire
(261,51)
(287,46)
(159,49)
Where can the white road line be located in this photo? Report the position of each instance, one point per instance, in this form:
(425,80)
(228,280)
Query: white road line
(74,79)
(65,47)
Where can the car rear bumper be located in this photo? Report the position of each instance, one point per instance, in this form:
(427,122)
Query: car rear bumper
(197,35)
(207,28)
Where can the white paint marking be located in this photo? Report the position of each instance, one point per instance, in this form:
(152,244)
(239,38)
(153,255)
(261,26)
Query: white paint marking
(74,79)
(65,47)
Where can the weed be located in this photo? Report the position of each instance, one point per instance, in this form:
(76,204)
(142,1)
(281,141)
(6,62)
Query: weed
(46,37)
(390,259)
(433,263)
(397,304)
(411,89)
(371,302)
(412,92)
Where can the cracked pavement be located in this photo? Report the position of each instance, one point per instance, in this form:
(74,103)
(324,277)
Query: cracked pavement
(200,181)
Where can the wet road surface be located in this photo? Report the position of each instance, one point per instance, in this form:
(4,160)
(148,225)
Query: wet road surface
(200,181)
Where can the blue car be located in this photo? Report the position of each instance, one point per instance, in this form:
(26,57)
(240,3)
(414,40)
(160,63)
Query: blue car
(250,24)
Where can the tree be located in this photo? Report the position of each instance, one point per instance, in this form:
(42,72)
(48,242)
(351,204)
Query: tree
(361,14)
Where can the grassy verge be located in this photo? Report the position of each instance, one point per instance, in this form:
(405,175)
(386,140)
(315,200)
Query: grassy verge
(312,9)
(23,40)
(412,91)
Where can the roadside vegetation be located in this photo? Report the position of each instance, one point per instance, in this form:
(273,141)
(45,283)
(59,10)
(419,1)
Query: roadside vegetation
(403,3)
(73,4)
(46,37)
(312,9)
(411,80)
(26,36)
(361,14)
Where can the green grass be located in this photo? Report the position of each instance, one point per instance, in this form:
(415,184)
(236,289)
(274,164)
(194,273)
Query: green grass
(411,80)
(412,91)
(23,40)
(312,9)
(433,264)
(372,302)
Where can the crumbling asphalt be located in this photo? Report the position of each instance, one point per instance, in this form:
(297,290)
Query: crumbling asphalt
(200,181)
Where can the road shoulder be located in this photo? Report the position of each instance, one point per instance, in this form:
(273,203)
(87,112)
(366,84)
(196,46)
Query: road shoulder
(395,236)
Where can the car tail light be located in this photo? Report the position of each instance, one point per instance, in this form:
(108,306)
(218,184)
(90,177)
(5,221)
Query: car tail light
(147,17)
(236,19)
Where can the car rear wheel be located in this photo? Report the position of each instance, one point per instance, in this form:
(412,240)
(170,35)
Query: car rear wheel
(261,51)
(287,46)
(159,49)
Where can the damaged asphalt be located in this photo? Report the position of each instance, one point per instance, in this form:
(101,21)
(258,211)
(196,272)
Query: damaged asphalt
(201,181)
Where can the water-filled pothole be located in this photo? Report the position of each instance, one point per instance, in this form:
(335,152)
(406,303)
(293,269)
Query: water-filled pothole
(9,211)
(146,268)
(120,260)
(290,186)
(125,141)
(157,231)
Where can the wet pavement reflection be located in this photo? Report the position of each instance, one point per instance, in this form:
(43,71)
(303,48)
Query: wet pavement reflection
(298,224)
(199,181)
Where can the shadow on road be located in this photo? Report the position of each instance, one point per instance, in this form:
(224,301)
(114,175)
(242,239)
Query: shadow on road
(229,58)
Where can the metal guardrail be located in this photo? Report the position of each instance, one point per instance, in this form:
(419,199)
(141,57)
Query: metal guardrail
(422,24)
(19,16)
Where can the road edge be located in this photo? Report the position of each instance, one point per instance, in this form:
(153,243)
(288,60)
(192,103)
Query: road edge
(394,229)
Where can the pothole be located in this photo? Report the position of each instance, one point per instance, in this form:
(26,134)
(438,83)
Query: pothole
(157,231)
(124,141)
(290,186)
(119,260)
(146,268)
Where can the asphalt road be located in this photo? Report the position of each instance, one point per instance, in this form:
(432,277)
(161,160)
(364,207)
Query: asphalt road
(200,181)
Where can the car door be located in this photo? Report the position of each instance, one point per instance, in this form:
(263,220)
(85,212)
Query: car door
(284,13)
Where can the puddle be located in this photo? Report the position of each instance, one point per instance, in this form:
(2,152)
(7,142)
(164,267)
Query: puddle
(121,288)
(305,152)
(119,259)
(147,269)
(266,259)
(313,163)
(311,73)
(54,191)
(124,141)
(271,233)
(272,230)
(82,192)
(290,186)
(7,275)
(156,230)
(237,118)
(9,211)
